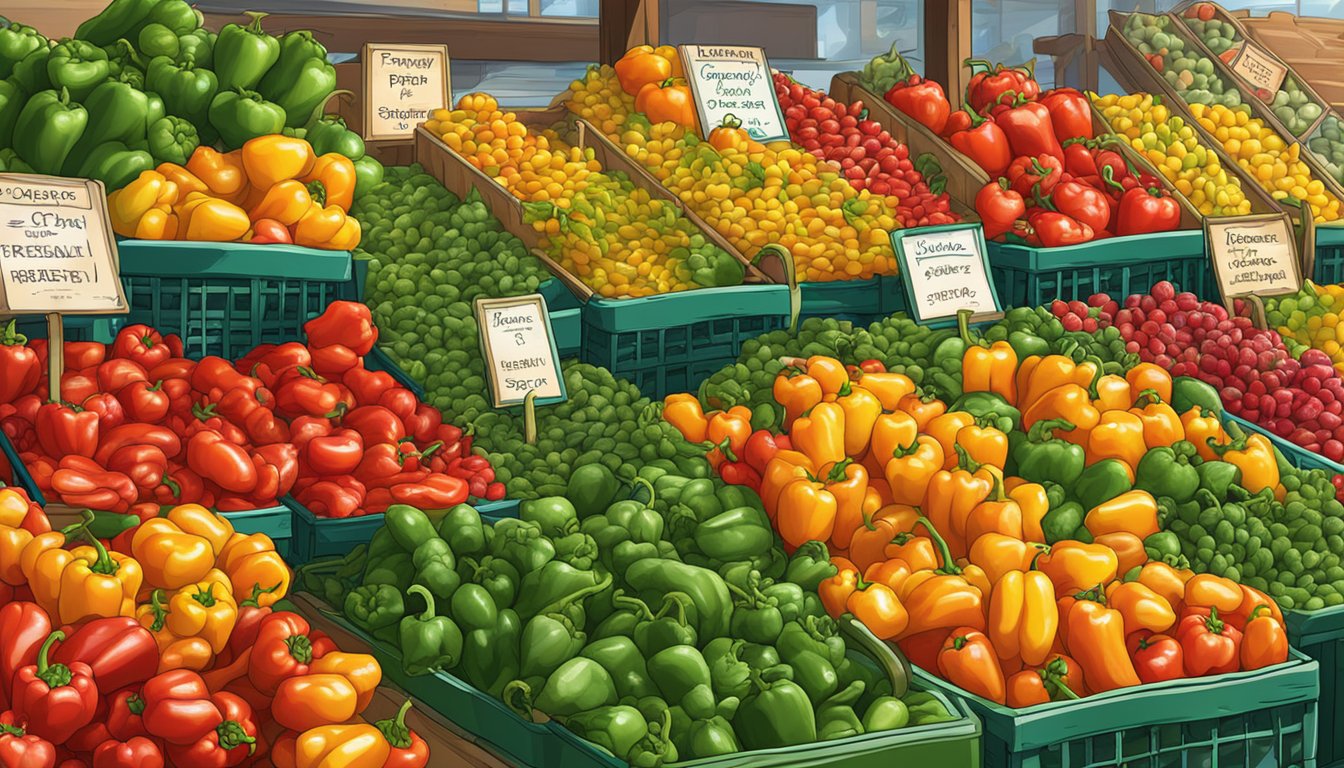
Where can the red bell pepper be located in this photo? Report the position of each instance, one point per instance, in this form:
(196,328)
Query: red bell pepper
(207,419)
(81,482)
(740,473)
(761,448)
(23,629)
(1210,645)
(179,394)
(138,434)
(144,402)
(400,401)
(141,344)
(80,355)
(1056,229)
(56,699)
(307,394)
(434,492)
(20,749)
(382,462)
(214,376)
(277,468)
(251,615)
(124,714)
(67,430)
(1144,210)
(263,427)
(136,752)
(1079,159)
(180,486)
(923,100)
(375,424)
(334,360)
(993,84)
(172,368)
(276,360)
(222,462)
(76,386)
(144,464)
(1029,130)
(285,645)
(109,410)
(117,373)
(237,404)
(334,497)
(1070,113)
(1031,176)
(985,144)
(408,750)
(201,729)
(998,207)
(1157,658)
(347,323)
(367,386)
(305,428)
(119,652)
(20,370)
(338,453)
(1083,203)
(424,425)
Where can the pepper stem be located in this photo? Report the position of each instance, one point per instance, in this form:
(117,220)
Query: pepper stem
(232,736)
(419,589)
(649,487)
(54,675)
(1147,397)
(255,25)
(1042,431)
(949,565)
(394,728)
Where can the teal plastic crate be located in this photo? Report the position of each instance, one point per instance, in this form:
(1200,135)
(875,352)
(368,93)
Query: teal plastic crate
(276,522)
(12,471)
(859,301)
(1267,717)
(1320,635)
(226,298)
(316,537)
(1329,268)
(1120,266)
(672,342)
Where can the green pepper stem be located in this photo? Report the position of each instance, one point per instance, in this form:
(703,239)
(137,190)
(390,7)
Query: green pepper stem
(510,694)
(54,675)
(1042,431)
(653,495)
(419,589)
(949,565)
(394,728)
(964,460)
(1147,397)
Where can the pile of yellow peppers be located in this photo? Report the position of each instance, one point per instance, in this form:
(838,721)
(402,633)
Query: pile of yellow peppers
(274,190)
(939,551)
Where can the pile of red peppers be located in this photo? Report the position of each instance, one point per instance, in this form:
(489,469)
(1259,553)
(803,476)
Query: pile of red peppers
(1054,183)
(139,426)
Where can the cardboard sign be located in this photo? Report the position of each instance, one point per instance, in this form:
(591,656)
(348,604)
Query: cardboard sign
(57,251)
(946,269)
(1253,255)
(519,349)
(403,84)
(1260,68)
(734,80)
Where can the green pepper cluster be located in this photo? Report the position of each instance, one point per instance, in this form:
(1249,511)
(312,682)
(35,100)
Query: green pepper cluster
(662,627)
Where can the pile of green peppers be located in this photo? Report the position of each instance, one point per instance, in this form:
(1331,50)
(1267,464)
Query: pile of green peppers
(661,627)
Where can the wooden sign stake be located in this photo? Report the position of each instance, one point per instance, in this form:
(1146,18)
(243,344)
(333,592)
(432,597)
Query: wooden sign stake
(55,355)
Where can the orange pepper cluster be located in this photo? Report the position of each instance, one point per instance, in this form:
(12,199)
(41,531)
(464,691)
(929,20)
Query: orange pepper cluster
(273,190)
(940,552)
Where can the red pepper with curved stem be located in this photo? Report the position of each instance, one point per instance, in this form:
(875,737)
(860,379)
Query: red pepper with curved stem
(304,393)
(424,424)
(277,468)
(56,699)
(236,405)
(222,462)
(227,744)
(144,402)
(367,386)
(434,492)
(1144,210)
(251,615)
(138,434)
(334,360)
(1084,204)
(200,728)
(276,360)
(180,486)
(20,749)
(141,344)
(81,482)
(999,207)
(375,424)
(144,464)
(408,749)
(119,651)
(1056,229)
(117,373)
(205,419)
(20,369)
(124,710)
(1030,176)
(382,462)
(24,627)
(285,646)
(923,100)
(985,144)
(1070,113)
(136,752)
(64,429)
(347,323)
(338,453)
(334,497)
(989,83)
(1029,129)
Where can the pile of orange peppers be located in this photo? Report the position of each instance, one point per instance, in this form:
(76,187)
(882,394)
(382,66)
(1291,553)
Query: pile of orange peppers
(941,553)
(274,190)
(169,645)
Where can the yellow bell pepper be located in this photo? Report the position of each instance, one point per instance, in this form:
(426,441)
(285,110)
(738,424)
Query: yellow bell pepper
(951,497)
(327,228)
(888,388)
(334,175)
(996,514)
(988,369)
(1161,425)
(206,610)
(1131,512)
(1146,376)
(32,564)
(1067,401)
(1074,566)
(1117,435)
(174,555)
(861,410)
(828,372)
(998,554)
(912,468)
(89,582)
(269,160)
(341,746)
(1200,427)
(797,392)
(143,208)
(1042,375)
(285,202)
(1113,393)
(251,562)
(222,173)
(820,434)
(945,429)
(806,512)
(185,180)
(1254,456)
(891,431)
(1141,607)
(683,411)
(20,521)
(1166,581)
(848,483)
(984,444)
(1023,616)
(1032,499)
(210,219)
(782,470)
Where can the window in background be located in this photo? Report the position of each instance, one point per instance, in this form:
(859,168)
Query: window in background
(1004,30)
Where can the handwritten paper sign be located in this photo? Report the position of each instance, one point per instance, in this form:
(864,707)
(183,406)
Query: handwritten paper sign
(57,251)
(1253,255)
(519,348)
(945,269)
(734,80)
(403,84)
(1260,68)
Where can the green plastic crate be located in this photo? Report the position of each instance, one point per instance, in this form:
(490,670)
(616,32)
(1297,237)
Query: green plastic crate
(226,298)
(1120,266)
(1320,635)
(316,537)
(859,301)
(1263,718)
(276,522)
(672,342)
(1329,268)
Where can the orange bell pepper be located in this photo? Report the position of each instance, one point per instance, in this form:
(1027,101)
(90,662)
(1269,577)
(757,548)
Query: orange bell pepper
(1202,426)
(953,495)
(975,576)
(1069,402)
(996,514)
(222,173)
(285,202)
(1140,607)
(1039,375)
(269,160)
(253,566)
(334,175)
(640,66)
(969,662)
(806,512)
(923,408)
(829,373)
(912,469)
(861,410)
(1263,642)
(1161,425)
(1113,393)
(1023,616)
(326,227)
(185,181)
(987,368)
(1031,498)
(871,539)
(1058,680)
(314,700)
(940,598)
(1254,456)
(1096,638)
(1145,376)
(875,605)
(1128,549)
(1131,512)
(784,468)
(820,434)
(728,431)
(1025,369)
(338,746)
(834,591)
(847,482)
(998,554)
(1208,591)
(209,219)
(1252,598)
(683,411)
(143,209)
(944,429)
(797,392)
(360,669)
(890,389)
(1117,435)
(892,572)
(891,431)
(984,443)
(1165,581)
(1074,566)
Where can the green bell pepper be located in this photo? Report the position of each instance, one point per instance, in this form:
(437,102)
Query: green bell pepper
(302,80)
(461,527)
(498,577)
(522,544)
(666,628)
(375,608)
(810,565)
(1102,482)
(199,46)
(187,90)
(556,584)
(623,661)
(16,42)
(368,174)
(577,550)
(777,713)
(549,640)
(490,656)
(47,129)
(1218,477)
(619,559)
(77,66)
(124,63)
(589,484)
(1026,344)
(815,635)
(756,616)
(711,738)
(1166,471)
(836,718)
(30,72)
(987,405)
(1187,393)
(408,526)
(12,100)
(177,15)
(926,709)
(1061,521)
(555,515)
(435,568)
(729,674)
(626,614)
(117,112)
(618,729)
(10,162)
(577,685)
(158,40)
(244,54)
(711,604)
(428,642)
(121,18)
(474,607)
(1041,457)
(639,521)
(760,657)
(1162,546)
(172,139)
(737,534)
(886,713)
(790,598)
(677,671)
(114,164)
(240,116)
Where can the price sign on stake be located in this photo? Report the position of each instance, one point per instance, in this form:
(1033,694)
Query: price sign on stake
(519,349)
(1260,68)
(58,255)
(1253,255)
(734,80)
(403,84)
(945,269)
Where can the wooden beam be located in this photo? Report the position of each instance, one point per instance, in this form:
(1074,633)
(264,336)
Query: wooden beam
(947,43)
(549,39)
(624,24)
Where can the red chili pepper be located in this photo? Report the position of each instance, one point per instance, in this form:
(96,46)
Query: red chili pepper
(20,370)
(222,462)
(277,467)
(1144,210)
(136,752)
(23,629)
(119,652)
(402,402)
(141,344)
(82,482)
(923,100)
(1083,203)
(64,429)
(375,424)
(1070,113)
(20,749)
(56,699)
(1033,175)
(408,749)
(109,410)
(144,402)
(162,438)
(144,464)
(285,646)
(347,323)
(1057,229)
(334,497)
(334,360)
(209,731)
(992,83)
(985,144)
(434,492)
(424,424)
(998,207)
(124,712)
(1029,130)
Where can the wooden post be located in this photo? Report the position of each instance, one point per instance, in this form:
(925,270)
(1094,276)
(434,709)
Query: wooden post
(623,24)
(947,43)
(55,355)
